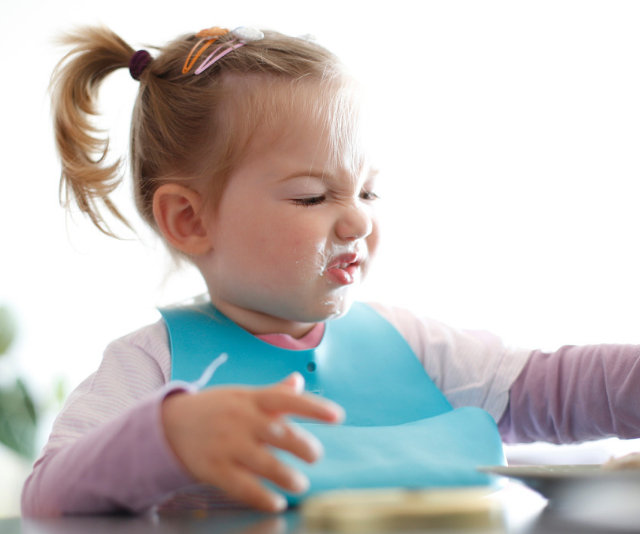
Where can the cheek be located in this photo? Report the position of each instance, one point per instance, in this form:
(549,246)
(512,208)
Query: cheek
(299,250)
(304,255)
(373,239)
(243,241)
(290,248)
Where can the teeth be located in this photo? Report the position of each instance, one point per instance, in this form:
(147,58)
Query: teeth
(343,266)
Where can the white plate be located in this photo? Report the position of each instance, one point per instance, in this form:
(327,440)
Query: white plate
(554,481)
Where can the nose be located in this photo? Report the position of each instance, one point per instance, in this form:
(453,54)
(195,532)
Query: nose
(354,223)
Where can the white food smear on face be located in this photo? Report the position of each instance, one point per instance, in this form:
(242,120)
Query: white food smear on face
(321,258)
(309,270)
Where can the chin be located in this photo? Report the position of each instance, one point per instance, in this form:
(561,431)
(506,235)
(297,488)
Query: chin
(333,306)
(334,309)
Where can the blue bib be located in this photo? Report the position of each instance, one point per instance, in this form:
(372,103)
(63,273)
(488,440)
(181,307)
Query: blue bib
(400,430)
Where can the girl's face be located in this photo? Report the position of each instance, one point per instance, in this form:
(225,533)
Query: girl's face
(294,234)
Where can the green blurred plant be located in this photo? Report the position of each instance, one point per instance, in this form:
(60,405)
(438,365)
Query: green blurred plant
(18,416)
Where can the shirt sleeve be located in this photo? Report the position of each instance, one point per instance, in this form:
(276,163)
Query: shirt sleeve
(107,451)
(470,367)
(575,394)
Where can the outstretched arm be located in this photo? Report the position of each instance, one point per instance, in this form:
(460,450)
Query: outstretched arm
(575,394)
(570,395)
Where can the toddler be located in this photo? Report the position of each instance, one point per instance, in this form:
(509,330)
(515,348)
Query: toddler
(248,160)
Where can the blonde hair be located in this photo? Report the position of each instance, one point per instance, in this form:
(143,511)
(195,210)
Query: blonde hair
(184,127)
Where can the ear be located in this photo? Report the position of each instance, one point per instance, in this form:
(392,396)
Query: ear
(178,213)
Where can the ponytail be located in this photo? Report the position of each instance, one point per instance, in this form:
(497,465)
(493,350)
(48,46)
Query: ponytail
(86,179)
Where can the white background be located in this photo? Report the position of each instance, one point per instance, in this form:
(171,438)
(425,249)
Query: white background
(508,134)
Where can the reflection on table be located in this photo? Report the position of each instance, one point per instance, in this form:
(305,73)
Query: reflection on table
(522,511)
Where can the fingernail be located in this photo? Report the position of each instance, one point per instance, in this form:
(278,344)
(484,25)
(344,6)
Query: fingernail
(316,446)
(279,503)
(299,382)
(314,443)
(338,411)
(300,483)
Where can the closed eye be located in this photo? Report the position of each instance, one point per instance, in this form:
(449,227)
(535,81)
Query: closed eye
(368,195)
(310,201)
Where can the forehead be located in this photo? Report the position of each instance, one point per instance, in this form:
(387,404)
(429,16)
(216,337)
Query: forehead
(321,121)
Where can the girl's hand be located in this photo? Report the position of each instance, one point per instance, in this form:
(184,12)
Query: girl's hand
(221,435)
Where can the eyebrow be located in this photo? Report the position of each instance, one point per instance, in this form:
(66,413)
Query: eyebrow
(321,175)
(373,172)
(310,173)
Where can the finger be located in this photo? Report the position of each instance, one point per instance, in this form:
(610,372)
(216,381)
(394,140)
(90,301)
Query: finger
(275,401)
(260,461)
(244,486)
(291,438)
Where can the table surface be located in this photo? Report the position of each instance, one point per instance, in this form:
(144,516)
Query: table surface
(523,512)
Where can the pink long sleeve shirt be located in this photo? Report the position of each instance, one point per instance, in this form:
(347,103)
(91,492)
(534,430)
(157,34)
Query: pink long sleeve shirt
(108,452)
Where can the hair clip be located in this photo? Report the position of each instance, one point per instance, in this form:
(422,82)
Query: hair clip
(210,35)
(247,35)
(217,54)
(241,36)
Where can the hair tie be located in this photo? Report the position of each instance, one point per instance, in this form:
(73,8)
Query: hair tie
(138,63)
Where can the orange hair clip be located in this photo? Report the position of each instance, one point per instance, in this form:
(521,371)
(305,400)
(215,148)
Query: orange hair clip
(209,35)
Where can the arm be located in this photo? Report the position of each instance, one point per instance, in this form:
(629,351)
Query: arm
(107,451)
(123,443)
(470,367)
(575,394)
(122,465)
(570,395)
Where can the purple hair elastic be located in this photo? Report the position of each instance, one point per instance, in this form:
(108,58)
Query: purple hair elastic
(138,63)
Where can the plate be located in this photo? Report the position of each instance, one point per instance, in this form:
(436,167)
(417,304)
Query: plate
(556,481)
